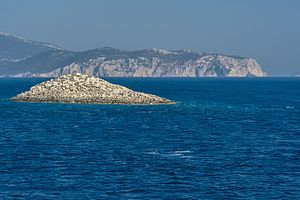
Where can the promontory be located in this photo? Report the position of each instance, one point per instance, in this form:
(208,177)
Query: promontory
(26,58)
(79,88)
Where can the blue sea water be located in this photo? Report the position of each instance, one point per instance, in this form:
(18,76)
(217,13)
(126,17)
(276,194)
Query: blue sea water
(224,139)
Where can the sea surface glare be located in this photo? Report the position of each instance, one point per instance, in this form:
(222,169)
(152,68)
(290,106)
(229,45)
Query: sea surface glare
(224,139)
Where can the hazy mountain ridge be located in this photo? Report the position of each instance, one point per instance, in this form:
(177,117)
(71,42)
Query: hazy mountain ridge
(36,59)
(15,48)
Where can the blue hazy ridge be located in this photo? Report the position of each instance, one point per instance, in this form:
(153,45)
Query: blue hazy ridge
(224,139)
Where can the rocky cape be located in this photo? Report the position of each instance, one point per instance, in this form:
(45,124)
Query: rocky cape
(26,58)
(79,88)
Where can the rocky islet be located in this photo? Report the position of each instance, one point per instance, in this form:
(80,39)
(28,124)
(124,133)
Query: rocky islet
(79,88)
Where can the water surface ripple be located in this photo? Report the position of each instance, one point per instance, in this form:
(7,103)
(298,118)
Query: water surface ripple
(224,139)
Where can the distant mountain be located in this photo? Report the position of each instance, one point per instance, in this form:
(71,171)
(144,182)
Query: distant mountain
(13,48)
(26,58)
(296,75)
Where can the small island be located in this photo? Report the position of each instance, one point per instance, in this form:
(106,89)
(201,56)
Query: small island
(79,88)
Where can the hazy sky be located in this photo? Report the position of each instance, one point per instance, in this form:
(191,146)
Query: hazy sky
(268,30)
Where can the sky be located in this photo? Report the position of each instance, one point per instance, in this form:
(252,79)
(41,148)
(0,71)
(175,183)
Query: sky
(267,30)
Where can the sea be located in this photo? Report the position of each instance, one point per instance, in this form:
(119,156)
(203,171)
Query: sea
(225,138)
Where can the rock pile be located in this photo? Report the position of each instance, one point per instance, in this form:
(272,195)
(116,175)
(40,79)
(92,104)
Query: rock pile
(78,88)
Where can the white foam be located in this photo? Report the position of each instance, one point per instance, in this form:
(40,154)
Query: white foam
(289,107)
(152,153)
(183,152)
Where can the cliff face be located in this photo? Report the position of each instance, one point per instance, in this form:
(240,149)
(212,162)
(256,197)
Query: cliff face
(112,62)
(155,65)
(206,66)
